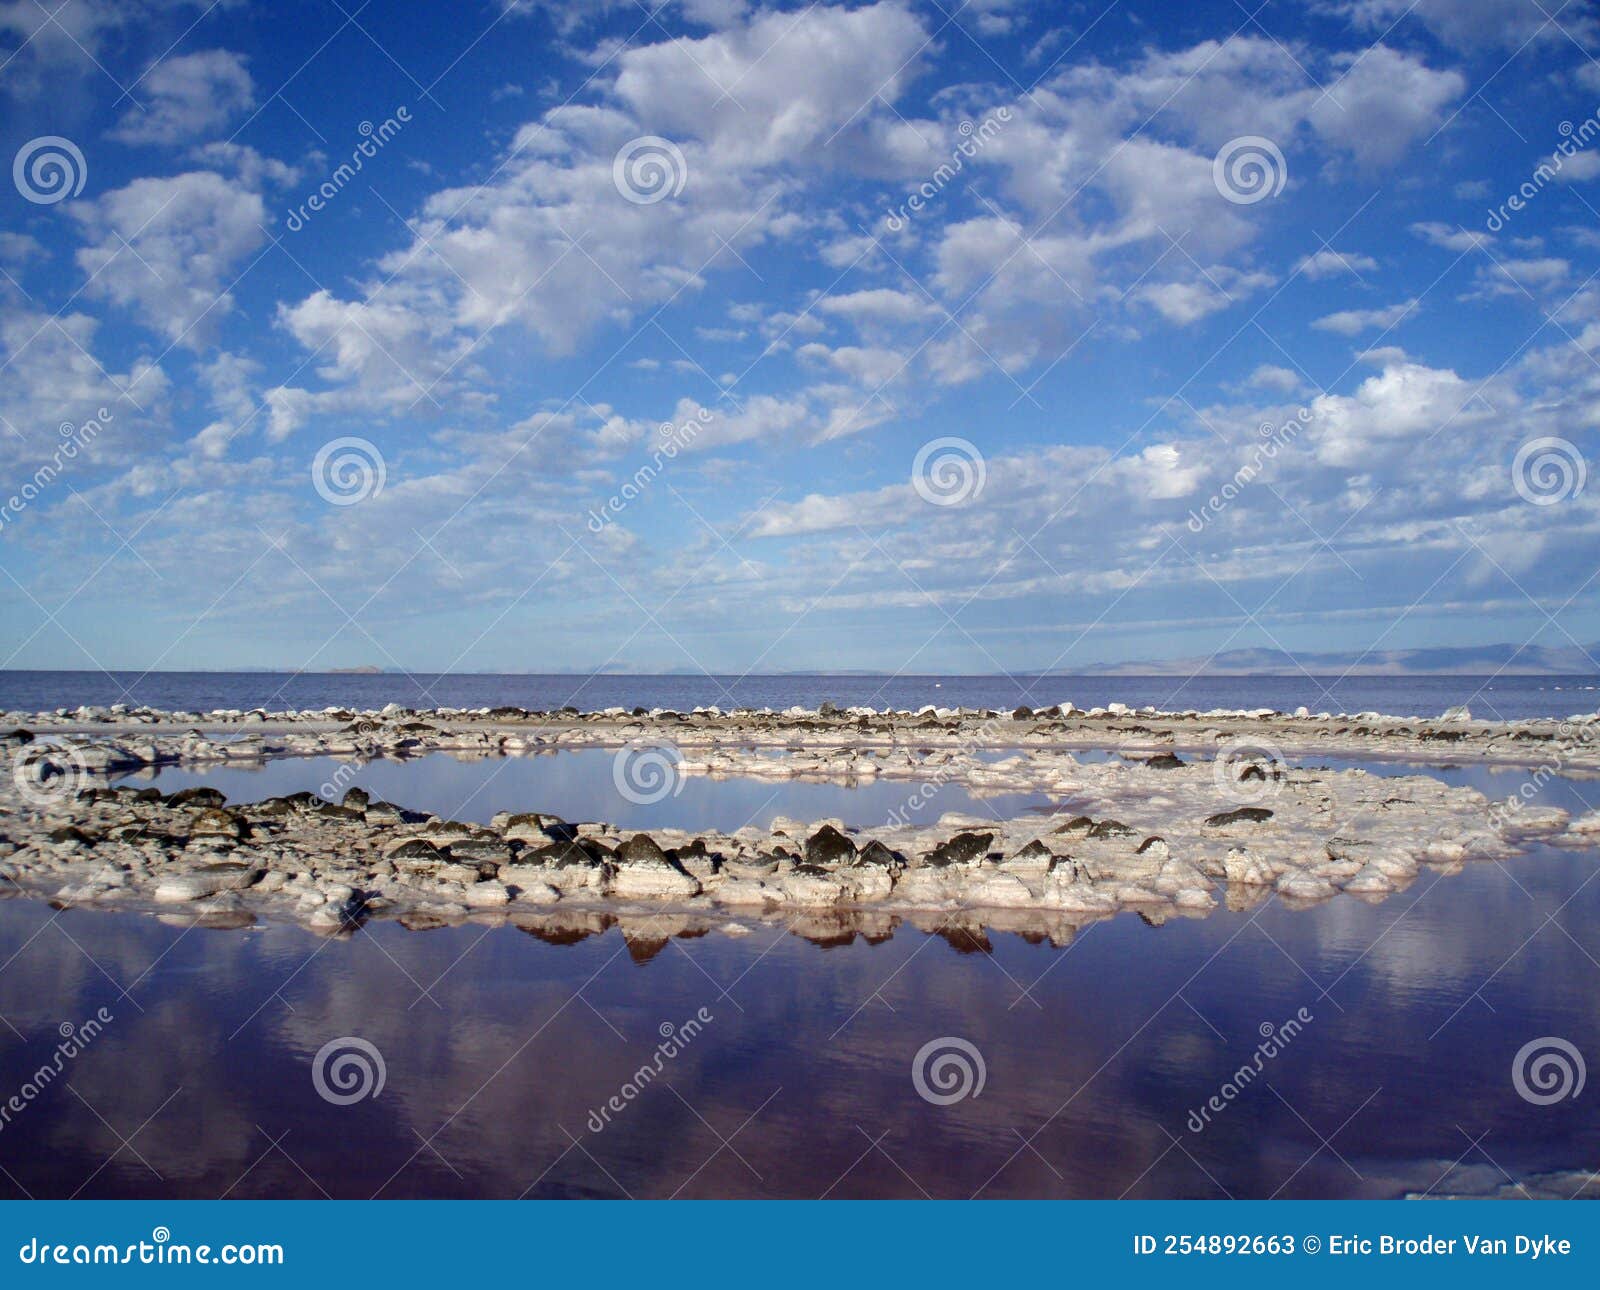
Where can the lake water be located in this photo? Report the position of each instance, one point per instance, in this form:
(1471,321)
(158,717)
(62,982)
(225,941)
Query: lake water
(1504,697)
(579,784)
(501,1046)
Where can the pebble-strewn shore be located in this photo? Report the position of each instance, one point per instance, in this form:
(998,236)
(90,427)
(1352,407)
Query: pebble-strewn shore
(1156,828)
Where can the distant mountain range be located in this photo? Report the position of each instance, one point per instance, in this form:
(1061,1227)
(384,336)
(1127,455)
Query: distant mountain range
(1444,660)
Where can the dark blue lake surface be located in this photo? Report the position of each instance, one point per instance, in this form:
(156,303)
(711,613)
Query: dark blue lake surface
(499,1047)
(1506,697)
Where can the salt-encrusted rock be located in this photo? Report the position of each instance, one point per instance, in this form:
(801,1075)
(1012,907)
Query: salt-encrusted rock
(644,871)
(877,856)
(487,894)
(71,836)
(561,855)
(478,850)
(413,849)
(808,884)
(1303,886)
(199,797)
(1241,867)
(1241,815)
(216,822)
(828,846)
(1369,878)
(207,880)
(962,850)
(1066,887)
(1033,859)
(1586,823)
(998,890)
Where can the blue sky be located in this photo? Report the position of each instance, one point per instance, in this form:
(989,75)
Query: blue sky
(913,336)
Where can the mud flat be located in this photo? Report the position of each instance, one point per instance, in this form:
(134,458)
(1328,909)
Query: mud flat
(1153,829)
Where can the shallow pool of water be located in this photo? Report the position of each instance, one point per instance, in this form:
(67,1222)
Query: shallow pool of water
(580,784)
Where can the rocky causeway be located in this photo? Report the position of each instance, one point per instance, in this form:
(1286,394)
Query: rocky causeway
(1174,814)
